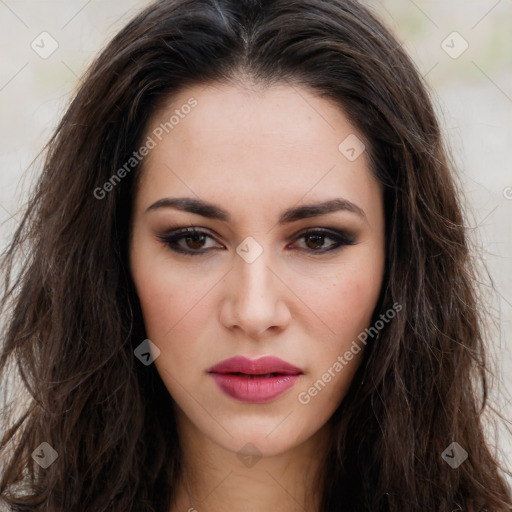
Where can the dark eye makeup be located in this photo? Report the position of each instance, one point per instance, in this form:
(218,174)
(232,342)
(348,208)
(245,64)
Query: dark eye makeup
(194,237)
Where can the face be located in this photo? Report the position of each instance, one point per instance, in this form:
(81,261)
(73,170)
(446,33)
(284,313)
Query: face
(265,273)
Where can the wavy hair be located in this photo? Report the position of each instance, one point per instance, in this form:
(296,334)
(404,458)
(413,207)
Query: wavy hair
(73,318)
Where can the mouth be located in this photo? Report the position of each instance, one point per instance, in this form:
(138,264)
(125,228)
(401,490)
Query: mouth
(255,381)
(256,375)
(267,365)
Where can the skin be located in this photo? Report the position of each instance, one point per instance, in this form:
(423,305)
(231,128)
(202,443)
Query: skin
(254,152)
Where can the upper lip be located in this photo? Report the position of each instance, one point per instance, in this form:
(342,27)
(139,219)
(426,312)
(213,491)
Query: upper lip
(261,366)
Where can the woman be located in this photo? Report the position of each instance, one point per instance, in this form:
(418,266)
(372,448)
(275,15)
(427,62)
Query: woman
(188,338)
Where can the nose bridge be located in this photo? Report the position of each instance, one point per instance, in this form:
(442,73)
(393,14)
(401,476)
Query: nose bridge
(253,273)
(255,294)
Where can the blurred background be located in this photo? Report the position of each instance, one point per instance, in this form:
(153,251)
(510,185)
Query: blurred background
(462,47)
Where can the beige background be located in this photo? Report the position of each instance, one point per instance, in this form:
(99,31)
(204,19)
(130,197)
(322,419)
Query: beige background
(473,93)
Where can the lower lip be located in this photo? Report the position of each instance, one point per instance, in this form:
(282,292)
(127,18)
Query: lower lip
(255,390)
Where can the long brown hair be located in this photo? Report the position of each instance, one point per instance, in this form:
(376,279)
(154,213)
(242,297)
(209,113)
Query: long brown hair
(74,318)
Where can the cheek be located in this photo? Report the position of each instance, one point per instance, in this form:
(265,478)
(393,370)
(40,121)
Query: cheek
(343,296)
(172,309)
(171,305)
(346,308)
(345,301)
(169,296)
(356,297)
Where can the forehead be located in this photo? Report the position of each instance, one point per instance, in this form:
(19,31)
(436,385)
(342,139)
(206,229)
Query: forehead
(261,143)
(282,117)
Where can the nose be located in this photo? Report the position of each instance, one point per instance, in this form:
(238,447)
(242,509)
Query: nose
(255,300)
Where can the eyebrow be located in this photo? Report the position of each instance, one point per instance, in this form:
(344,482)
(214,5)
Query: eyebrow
(212,211)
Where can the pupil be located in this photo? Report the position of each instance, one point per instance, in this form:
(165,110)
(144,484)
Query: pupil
(196,239)
(318,238)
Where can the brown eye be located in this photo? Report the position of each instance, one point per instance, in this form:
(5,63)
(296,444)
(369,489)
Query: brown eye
(315,240)
(189,241)
(195,241)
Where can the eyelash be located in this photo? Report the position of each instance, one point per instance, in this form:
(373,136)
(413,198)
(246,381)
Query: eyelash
(171,239)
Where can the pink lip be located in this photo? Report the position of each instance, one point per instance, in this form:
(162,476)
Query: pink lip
(247,380)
